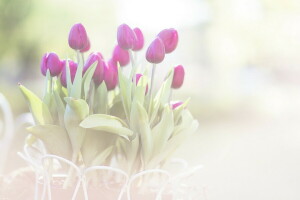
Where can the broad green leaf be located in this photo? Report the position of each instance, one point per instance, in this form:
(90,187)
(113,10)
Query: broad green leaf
(76,111)
(161,98)
(94,143)
(174,143)
(39,109)
(186,120)
(60,106)
(76,87)
(139,122)
(68,77)
(125,91)
(48,89)
(100,99)
(107,123)
(101,157)
(140,90)
(163,130)
(55,139)
(118,110)
(87,78)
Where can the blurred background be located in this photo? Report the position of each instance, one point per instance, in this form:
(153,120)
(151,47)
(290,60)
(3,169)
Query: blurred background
(242,72)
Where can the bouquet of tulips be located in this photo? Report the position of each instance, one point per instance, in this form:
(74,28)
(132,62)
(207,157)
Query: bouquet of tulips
(93,114)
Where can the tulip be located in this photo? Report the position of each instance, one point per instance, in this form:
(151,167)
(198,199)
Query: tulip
(73,69)
(178,77)
(78,38)
(137,78)
(156,51)
(98,76)
(52,62)
(86,48)
(44,64)
(126,37)
(139,42)
(120,55)
(169,38)
(174,105)
(111,75)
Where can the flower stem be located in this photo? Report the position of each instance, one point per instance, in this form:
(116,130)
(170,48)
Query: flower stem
(82,57)
(152,80)
(133,70)
(78,56)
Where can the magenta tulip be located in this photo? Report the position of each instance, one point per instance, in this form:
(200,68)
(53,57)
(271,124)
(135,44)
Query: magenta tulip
(178,77)
(176,104)
(139,42)
(121,55)
(156,51)
(78,38)
(111,75)
(52,62)
(87,47)
(98,76)
(169,38)
(73,69)
(126,37)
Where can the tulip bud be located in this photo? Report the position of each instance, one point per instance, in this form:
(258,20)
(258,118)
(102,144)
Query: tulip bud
(73,69)
(156,51)
(139,42)
(52,62)
(121,55)
(174,105)
(98,76)
(87,47)
(137,78)
(44,64)
(111,75)
(178,77)
(78,38)
(126,37)
(169,38)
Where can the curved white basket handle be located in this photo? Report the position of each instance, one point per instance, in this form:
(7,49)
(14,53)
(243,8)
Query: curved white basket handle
(8,130)
(140,174)
(178,177)
(107,168)
(68,162)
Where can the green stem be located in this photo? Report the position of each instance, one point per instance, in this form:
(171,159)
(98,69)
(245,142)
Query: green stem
(133,70)
(152,80)
(82,57)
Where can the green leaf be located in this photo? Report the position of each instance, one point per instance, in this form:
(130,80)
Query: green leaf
(76,111)
(174,143)
(100,159)
(101,101)
(125,91)
(163,130)
(76,87)
(55,139)
(48,89)
(140,90)
(68,77)
(139,122)
(60,106)
(107,123)
(87,78)
(95,142)
(39,109)
(161,98)
(179,109)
